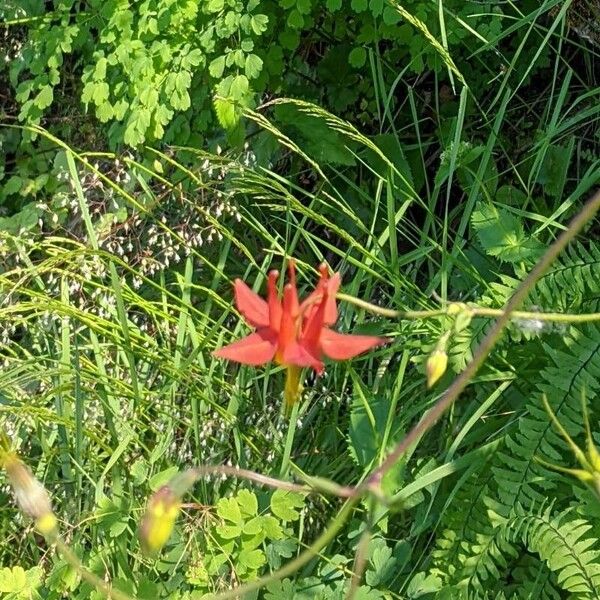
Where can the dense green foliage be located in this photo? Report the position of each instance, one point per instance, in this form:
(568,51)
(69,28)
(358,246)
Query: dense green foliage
(430,152)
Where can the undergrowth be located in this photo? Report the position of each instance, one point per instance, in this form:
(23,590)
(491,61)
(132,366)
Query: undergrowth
(115,288)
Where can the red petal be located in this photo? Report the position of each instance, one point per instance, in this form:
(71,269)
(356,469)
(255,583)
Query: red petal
(342,346)
(251,305)
(287,330)
(273,301)
(331,285)
(296,354)
(331,313)
(255,349)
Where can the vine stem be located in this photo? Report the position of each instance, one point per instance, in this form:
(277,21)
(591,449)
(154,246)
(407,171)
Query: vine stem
(474,311)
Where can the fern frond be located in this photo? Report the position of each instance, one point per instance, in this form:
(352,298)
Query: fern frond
(561,540)
(480,541)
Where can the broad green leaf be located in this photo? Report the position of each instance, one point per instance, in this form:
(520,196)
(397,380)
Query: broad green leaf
(226,113)
(239,88)
(502,235)
(247,502)
(253,66)
(217,66)
(259,23)
(44,97)
(229,510)
(359,5)
(213,6)
(252,559)
(357,57)
(285,505)
(159,479)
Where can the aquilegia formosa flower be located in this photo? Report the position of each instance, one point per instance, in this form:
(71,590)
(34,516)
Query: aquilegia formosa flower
(293,333)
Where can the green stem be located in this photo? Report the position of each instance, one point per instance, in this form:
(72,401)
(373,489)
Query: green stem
(88,576)
(474,311)
(289,441)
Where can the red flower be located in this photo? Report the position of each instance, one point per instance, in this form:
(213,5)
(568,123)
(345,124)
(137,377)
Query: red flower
(293,333)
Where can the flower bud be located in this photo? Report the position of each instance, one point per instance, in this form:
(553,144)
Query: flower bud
(436,366)
(159,520)
(30,495)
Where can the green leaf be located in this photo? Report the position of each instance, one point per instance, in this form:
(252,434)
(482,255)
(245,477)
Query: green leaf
(217,66)
(213,6)
(502,235)
(162,478)
(357,57)
(272,528)
(554,169)
(333,5)
(303,6)
(252,559)
(45,96)
(376,7)
(253,66)
(253,526)
(247,502)
(359,5)
(422,584)
(229,532)
(105,112)
(229,510)
(391,16)
(239,88)
(259,23)
(295,20)
(226,113)
(284,504)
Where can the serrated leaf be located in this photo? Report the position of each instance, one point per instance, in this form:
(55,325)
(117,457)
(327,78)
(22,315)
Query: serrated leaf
(272,528)
(259,23)
(229,510)
(502,235)
(247,502)
(217,66)
(226,113)
(44,97)
(253,66)
(284,504)
(252,559)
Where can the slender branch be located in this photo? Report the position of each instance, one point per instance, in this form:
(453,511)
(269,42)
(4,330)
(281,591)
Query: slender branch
(474,311)
(460,383)
(203,471)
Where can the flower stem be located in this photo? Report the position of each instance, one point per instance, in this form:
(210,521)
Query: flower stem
(289,441)
(474,311)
